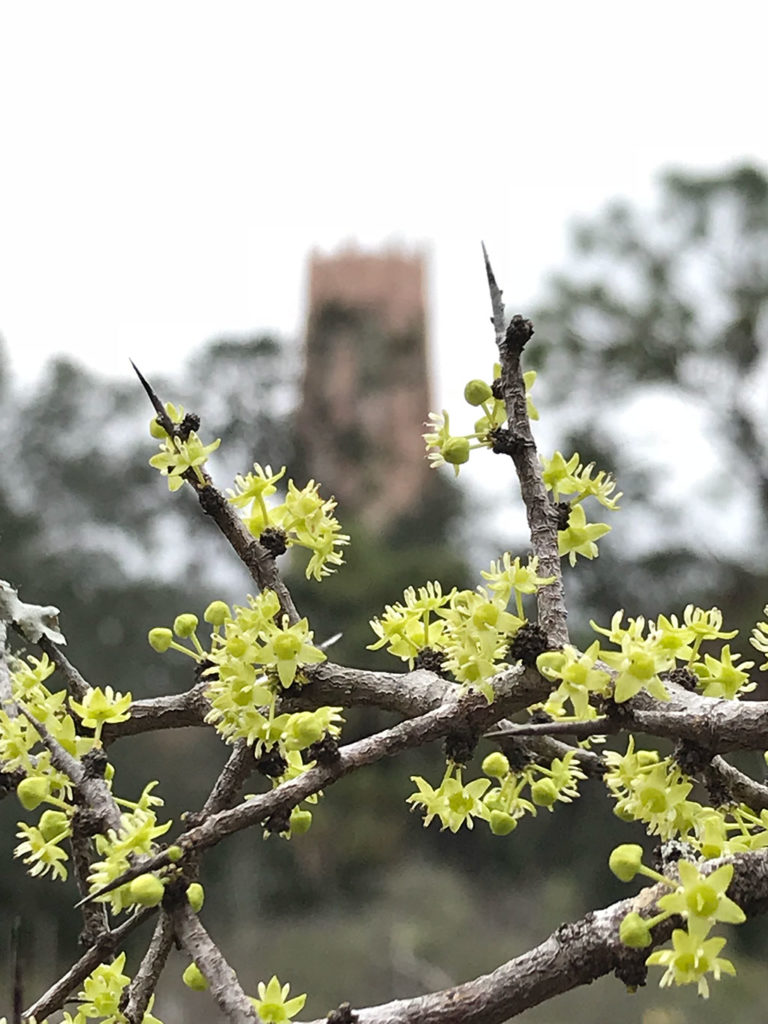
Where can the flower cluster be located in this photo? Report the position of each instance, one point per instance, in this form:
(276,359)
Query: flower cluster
(18,736)
(102,995)
(41,845)
(569,478)
(272,1006)
(304,519)
(650,790)
(646,653)
(759,639)
(656,792)
(472,629)
(254,655)
(456,803)
(177,457)
(118,850)
(444,447)
(700,900)
(101,706)
(577,677)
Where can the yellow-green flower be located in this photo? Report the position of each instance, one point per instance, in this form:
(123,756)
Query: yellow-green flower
(691,959)
(454,803)
(579,536)
(273,1005)
(176,457)
(703,896)
(290,647)
(100,706)
(42,855)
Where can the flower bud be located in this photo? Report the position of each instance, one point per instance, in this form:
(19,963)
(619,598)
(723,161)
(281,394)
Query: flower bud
(634,932)
(185,625)
(502,823)
(193,978)
(175,853)
(32,792)
(486,614)
(306,728)
(456,450)
(622,812)
(647,757)
(286,646)
(147,890)
(52,823)
(300,821)
(625,861)
(160,639)
(477,391)
(195,896)
(236,646)
(496,765)
(217,613)
(544,792)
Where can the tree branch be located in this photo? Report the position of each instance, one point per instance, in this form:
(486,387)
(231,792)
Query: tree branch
(151,967)
(520,445)
(224,986)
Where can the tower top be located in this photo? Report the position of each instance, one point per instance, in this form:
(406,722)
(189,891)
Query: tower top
(390,282)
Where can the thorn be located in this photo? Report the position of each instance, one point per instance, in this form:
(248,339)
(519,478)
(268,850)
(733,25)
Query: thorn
(162,416)
(330,641)
(497,304)
(488,268)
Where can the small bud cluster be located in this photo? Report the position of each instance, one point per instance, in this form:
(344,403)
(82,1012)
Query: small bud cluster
(180,454)
(570,478)
(455,803)
(700,900)
(454,449)
(303,519)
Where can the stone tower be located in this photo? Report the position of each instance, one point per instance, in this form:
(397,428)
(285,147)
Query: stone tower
(366,387)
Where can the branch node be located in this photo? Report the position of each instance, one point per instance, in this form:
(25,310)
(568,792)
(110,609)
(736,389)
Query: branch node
(211,500)
(273,539)
(682,676)
(344,1014)
(325,751)
(631,969)
(507,442)
(460,746)
(95,763)
(693,758)
(519,332)
(528,643)
(271,763)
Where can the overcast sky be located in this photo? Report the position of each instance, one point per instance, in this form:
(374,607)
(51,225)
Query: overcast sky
(166,167)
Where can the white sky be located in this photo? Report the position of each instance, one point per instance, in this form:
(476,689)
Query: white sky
(166,167)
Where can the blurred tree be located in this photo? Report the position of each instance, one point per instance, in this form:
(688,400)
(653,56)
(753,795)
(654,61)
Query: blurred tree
(655,342)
